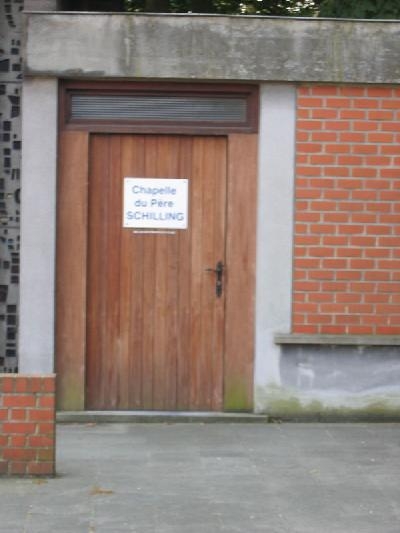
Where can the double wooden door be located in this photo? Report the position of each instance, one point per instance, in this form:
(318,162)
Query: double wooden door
(155,321)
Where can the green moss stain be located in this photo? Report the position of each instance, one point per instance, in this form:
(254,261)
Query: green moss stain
(70,397)
(236,398)
(280,403)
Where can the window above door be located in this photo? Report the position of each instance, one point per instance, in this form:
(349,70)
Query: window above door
(159,107)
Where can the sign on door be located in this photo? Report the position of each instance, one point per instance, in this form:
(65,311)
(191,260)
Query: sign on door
(155,203)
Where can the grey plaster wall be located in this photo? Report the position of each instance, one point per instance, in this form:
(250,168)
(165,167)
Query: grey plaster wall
(341,369)
(274,231)
(212,48)
(38,221)
(348,382)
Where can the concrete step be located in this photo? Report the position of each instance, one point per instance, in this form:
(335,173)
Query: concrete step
(157,416)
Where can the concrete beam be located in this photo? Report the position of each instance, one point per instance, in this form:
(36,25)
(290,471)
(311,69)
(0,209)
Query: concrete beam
(41,5)
(211,48)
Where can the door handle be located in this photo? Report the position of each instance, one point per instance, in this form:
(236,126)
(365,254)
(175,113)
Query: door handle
(219,272)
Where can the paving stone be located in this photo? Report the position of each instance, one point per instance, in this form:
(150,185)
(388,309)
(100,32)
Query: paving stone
(216,478)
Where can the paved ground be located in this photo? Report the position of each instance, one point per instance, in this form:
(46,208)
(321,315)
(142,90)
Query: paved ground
(211,478)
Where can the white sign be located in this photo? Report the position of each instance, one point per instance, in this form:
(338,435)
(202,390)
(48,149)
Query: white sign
(155,203)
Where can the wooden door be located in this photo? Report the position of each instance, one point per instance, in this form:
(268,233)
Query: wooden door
(155,325)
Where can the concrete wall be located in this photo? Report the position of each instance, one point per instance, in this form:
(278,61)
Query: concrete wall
(337,381)
(290,381)
(274,231)
(38,199)
(211,48)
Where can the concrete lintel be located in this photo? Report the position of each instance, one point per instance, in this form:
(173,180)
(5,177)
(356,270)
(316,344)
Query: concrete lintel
(41,5)
(94,45)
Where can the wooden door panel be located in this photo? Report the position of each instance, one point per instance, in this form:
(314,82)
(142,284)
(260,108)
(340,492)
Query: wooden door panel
(155,328)
(71,270)
(103,335)
(240,279)
(209,228)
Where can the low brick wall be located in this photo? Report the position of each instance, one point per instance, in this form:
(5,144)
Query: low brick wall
(27,425)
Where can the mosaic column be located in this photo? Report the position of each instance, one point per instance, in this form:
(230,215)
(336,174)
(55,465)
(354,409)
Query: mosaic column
(10,149)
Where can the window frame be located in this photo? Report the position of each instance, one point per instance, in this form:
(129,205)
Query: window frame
(248,92)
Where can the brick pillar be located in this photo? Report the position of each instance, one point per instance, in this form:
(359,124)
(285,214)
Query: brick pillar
(27,425)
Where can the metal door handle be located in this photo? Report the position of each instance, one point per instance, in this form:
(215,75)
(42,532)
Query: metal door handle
(219,271)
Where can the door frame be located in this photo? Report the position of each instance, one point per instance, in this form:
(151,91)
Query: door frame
(71,254)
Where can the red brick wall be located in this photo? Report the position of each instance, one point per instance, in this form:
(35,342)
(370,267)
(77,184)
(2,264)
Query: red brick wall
(27,425)
(347,227)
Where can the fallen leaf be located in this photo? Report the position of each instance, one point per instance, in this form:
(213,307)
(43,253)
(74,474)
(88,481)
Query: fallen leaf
(99,490)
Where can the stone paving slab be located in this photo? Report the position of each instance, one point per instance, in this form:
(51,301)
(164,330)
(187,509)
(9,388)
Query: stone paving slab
(213,478)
